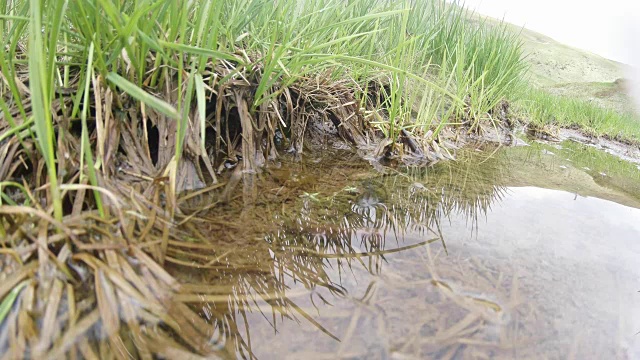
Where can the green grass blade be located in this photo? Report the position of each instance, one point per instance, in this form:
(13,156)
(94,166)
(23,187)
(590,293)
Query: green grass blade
(88,155)
(137,93)
(41,102)
(9,300)
(202,105)
(199,51)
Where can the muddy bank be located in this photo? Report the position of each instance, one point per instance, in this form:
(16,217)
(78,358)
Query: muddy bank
(626,151)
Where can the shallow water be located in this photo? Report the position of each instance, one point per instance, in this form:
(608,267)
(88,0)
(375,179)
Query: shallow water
(530,253)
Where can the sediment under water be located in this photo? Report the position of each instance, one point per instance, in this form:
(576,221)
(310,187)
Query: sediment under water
(529,253)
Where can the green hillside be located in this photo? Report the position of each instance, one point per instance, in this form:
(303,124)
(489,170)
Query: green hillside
(571,72)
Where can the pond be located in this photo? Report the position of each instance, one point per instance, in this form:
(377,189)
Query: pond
(528,252)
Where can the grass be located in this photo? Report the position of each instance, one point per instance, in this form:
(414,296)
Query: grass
(570,87)
(425,65)
(542,108)
(112,109)
(612,95)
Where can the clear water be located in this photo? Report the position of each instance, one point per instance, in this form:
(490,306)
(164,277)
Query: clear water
(531,253)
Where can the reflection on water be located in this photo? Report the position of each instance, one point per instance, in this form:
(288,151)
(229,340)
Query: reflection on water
(333,261)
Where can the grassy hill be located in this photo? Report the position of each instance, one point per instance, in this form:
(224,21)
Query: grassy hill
(571,72)
(554,63)
(614,95)
(567,71)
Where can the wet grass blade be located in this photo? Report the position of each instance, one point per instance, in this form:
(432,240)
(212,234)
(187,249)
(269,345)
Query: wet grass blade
(73,334)
(86,146)
(41,87)
(183,122)
(9,300)
(202,109)
(137,93)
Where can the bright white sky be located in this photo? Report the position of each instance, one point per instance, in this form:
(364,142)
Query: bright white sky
(604,27)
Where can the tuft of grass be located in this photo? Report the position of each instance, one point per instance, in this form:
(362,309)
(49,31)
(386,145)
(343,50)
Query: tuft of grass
(429,62)
(482,63)
(87,87)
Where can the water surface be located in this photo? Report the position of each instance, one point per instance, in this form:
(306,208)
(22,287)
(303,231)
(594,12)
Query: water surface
(530,253)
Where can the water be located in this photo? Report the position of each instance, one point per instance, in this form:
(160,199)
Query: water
(524,283)
(531,253)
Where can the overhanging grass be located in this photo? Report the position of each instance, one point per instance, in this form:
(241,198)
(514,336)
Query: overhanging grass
(126,99)
(431,64)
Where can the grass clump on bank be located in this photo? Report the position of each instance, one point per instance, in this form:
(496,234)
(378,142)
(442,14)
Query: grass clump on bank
(544,109)
(411,65)
(112,109)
